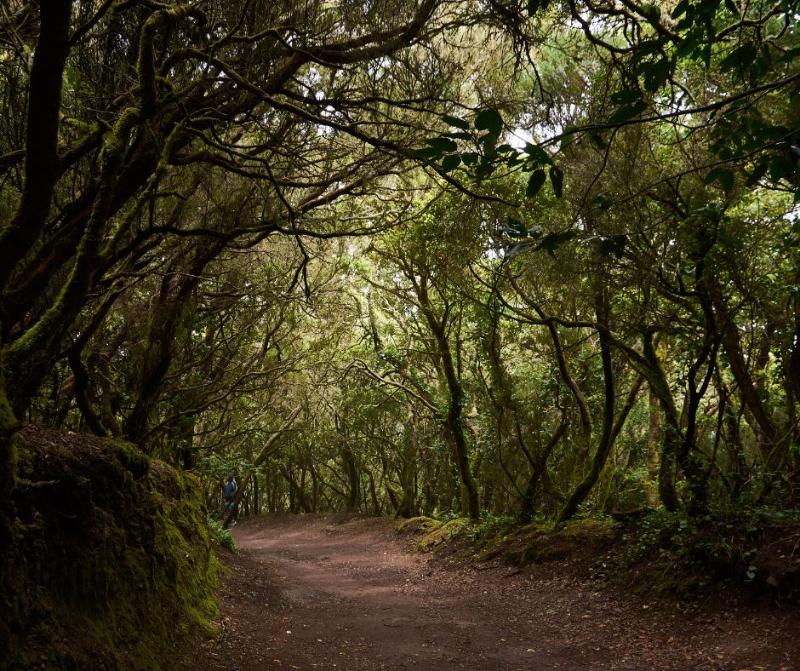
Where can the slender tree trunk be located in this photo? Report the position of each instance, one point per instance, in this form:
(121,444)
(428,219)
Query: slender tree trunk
(607,435)
(376,505)
(408,472)
(454,422)
(539,471)
(741,372)
(353,479)
(653,439)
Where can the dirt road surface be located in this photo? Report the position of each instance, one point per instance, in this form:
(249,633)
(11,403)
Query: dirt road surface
(309,593)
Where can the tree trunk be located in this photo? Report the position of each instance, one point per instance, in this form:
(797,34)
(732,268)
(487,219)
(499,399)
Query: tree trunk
(41,138)
(353,479)
(607,436)
(653,437)
(8,472)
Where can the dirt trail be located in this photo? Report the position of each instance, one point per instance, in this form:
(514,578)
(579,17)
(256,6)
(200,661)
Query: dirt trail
(308,593)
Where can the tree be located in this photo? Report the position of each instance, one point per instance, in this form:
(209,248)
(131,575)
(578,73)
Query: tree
(127,106)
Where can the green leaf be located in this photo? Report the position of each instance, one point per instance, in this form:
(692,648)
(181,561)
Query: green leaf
(489,145)
(779,167)
(451,162)
(442,144)
(626,97)
(516,229)
(516,158)
(655,75)
(538,156)
(790,55)
(484,168)
(455,122)
(687,45)
(489,120)
(425,153)
(758,172)
(646,48)
(705,54)
(686,23)
(627,112)
(602,201)
(762,63)
(557,179)
(724,176)
(652,12)
(725,153)
(535,183)
(742,56)
(552,241)
(598,141)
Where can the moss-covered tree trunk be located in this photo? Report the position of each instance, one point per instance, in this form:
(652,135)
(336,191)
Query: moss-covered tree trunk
(653,439)
(8,472)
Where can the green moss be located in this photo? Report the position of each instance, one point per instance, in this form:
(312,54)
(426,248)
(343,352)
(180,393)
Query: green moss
(8,448)
(132,458)
(115,564)
(539,542)
(417,525)
(443,533)
(588,528)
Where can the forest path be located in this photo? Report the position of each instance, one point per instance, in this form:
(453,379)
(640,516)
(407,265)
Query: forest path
(308,593)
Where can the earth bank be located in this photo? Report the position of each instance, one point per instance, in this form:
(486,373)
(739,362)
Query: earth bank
(112,564)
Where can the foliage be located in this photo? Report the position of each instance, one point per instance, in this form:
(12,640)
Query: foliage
(524,260)
(220,534)
(668,554)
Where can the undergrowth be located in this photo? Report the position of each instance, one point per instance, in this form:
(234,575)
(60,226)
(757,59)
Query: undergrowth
(653,553)
(670,554)
(220,534)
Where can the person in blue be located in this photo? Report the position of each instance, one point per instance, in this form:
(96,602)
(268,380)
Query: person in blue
(229,492)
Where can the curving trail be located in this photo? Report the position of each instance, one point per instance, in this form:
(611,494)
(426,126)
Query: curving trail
(309,593)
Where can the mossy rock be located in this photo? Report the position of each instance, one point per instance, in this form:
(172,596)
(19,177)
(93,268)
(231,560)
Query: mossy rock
(539,543)
(418,525)
(443,533)
(112,564)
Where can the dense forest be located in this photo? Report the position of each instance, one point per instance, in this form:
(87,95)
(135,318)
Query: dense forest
(500,260)
(224,220)
(480,258)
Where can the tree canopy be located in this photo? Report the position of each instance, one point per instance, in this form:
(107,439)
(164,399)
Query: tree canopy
(509,258)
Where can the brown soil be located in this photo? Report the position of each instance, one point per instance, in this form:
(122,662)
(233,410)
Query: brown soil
(309,593)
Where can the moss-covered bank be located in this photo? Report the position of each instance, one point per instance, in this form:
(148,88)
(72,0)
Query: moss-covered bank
(111,564)
(653,553)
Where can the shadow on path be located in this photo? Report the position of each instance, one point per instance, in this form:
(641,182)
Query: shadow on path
(308,593)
